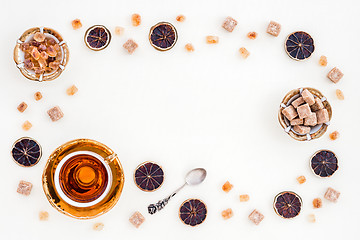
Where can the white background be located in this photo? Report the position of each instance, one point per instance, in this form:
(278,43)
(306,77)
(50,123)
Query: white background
(209,108)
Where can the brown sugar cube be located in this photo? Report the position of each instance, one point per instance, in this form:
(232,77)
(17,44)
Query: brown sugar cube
(317,105)
(135,19)
(308,97)
(71,90)
(76,24)
(26,125)
(226,214)
(119,30)
(274,28)
(322,116)
(39,37)
(296,121)
(339,94)
(38,96)
(302,129)
(130,46)
(252,35)
(137,219)
(332,195)
(256,217)
(301,179)
(244,198)
(289,112)
(335,75)
(304,111)
(297,102)
(311,120)
(55,113)
(189,47)
(180,18)
(311,218)
(334,135)
(24,188)
(98,226)
(317,203)
(227,187)
(212,39)
(22,107)
(244,52)
(43,216)
(323,61)
(229,24)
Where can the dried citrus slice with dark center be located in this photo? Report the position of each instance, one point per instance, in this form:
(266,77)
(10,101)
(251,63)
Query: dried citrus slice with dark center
(149,176)
(299,45)
(287,204)
(324,163)
(97,37)
(26,152)
(163,36)
(193,212)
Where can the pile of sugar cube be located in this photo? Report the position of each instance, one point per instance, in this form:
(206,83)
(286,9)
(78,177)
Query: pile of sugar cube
(305,112)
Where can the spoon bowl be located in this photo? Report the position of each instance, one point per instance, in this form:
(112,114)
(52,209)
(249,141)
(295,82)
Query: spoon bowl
(195,176)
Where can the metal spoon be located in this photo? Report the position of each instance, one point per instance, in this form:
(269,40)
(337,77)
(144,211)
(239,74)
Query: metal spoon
(194,177)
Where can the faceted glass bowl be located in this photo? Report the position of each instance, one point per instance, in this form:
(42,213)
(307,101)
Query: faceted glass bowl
(19,55)
(319,130)
(53,194)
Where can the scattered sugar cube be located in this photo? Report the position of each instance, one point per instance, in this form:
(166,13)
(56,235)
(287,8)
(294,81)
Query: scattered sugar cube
(130,46)
(43,215)
(244,198)
(317,105)
(311,218)
(332,195)
(335,75)
(311,120)
(297,102)
(22,107)
(189,47)
(296,121)
(334,135)
(317,203)
(256,217)
(71,90)
(244,52)
(212,39)
(339,94)
(38,96)
(55,113)
(227,187)
(252,35)
(226,214)
(304,111)
(273,28)
(119,30)
(308,97)
(322,116)
(301,179)
(289,112)
(229,24)
(180,18)
(323,61)
(136,19)
(302,129)
(76,24)
(26,125)
(137,219)
(24,188)
(98,226)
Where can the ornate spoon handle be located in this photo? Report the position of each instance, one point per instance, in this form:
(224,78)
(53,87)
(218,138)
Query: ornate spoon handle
(154,208)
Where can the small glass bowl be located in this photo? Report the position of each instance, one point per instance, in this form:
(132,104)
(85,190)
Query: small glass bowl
(316,131)
(54,195)
(19,54)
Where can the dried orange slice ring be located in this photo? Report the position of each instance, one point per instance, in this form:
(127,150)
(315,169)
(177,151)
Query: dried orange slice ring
(97,37)
(26,152)
(193,212)
(287,204)
(149,176)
